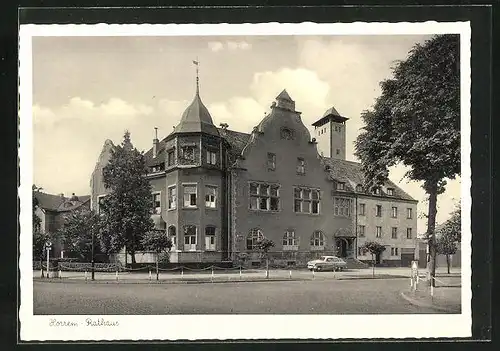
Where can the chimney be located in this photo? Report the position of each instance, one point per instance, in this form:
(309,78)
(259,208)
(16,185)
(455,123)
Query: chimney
(155,143)
(61,195)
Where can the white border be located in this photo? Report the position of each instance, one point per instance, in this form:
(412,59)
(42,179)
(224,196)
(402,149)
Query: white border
(36,328)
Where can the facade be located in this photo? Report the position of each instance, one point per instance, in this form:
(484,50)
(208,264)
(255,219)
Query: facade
(217,192)
(51,211)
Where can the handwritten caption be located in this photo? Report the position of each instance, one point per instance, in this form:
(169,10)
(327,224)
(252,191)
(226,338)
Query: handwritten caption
(89,322)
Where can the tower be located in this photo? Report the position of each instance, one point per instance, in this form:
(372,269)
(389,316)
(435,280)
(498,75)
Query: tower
(330,133)
(196,184)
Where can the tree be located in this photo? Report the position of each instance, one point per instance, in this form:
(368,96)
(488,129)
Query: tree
(446,245)
(157,241)
(39,237)
(375,249)
(79,230)
(453,226)
(264,245)
(128,206)
(416,122)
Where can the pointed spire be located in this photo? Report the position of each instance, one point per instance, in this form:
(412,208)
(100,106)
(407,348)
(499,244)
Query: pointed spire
(197,64)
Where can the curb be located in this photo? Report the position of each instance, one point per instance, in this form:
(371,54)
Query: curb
(166,282)
(418,303)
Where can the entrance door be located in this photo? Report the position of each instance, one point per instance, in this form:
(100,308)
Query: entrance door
(342,247)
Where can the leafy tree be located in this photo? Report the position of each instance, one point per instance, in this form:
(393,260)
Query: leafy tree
(375,249)
(453,226)
(264,245)
(446,245)
(39,237)
(79,233)
(416,122)
(128,206)
(157,241)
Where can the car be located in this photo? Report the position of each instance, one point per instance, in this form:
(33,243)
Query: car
(327,263)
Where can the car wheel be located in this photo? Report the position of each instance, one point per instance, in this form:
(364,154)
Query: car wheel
(318,269)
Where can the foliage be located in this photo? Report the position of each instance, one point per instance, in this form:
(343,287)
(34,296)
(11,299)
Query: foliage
(452,228)
(157,241)
(416,122)
(374,247)
(77,233)
(128,206)
(446,244)
(39,238)
(264,245)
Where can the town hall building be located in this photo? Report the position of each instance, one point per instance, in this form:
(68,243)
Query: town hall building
(217,192)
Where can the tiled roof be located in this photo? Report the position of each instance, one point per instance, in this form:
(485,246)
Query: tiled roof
(160,154)
(351,174)
(59,203)
(196,118)
(236,140)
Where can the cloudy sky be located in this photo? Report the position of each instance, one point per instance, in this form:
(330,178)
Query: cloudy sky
(89,89)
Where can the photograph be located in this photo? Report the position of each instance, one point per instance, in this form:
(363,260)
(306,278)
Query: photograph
(311,178)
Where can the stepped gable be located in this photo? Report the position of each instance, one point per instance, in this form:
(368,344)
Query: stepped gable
(351,174)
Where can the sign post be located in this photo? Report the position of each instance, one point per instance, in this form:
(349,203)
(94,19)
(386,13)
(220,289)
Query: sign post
(414,274)
(48,246)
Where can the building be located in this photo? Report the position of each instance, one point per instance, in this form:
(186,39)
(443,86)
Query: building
(217,192)
(52,209)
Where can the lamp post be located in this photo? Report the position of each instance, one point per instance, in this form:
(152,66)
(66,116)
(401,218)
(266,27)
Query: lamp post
(92,258)
(48,246)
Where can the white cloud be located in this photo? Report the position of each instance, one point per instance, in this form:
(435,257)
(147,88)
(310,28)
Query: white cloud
(216,46)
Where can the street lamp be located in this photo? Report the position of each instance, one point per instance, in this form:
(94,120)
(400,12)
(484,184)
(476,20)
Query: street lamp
(48,246)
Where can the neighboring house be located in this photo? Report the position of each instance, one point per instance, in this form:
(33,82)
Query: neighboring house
(423,256)
(51,211)
(217,191)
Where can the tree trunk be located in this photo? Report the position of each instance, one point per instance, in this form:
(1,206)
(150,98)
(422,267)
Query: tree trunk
(267,267)
(448,262)
(431,234)
(132,253)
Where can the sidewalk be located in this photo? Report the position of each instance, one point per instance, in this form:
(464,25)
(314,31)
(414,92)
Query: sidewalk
(172,276)
(447,295)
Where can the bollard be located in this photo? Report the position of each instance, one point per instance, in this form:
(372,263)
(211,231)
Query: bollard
(85,275)
(150,274)
(116,274)
(212,273)
(240,273)
(313,273)
(290,274)
(41,272)
(182,272)
(411,283)
(60,274)
(432,291)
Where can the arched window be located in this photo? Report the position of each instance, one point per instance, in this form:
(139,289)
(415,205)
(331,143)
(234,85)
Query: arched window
(189,238)
(253,238)
(290,240)
(318,240)
(172,234)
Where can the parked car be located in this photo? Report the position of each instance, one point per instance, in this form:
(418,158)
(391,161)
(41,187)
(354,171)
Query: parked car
(327,263)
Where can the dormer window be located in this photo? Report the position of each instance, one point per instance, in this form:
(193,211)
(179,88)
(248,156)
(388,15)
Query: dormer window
(340,186)
(158,168)
(390,191)
(359,188)
(376,191)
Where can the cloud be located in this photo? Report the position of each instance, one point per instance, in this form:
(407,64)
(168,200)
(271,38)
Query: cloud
(216,46)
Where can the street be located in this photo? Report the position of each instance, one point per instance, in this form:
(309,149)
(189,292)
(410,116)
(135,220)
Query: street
(327,296)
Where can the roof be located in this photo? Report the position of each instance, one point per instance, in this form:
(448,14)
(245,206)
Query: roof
(330,115)
(196,119)
(351,174)
(236,140)
(160,154)
(59,203)
(284,96)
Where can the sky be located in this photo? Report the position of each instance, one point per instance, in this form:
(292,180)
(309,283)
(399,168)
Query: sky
(89,89)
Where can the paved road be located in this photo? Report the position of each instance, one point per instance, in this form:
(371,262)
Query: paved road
(299,297)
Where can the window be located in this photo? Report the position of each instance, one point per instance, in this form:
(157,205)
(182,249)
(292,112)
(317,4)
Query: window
(253,239)
(156,203)
(189,238)
(317,241)
(394,213)
(188,153)
(170,157)
(378,211)
(211,157)
(394,233)
(361,251)
(342,207)
(376,191)
(210,196)
(409,213)
(395,251)
(359,188)
(306,200)
(337,151)
(172,197)
(190,196)
(264,197)
(271,161)
(100,203)
(301,166)
(408,233)
(210,238)
(392,251)
(362,209)
(390,191)
(378,234)
(340,186)
(173,236)
(286,134)
(290,241)
(158,168)
(361,231)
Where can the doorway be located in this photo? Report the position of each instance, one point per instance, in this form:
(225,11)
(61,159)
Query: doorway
(342,247)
